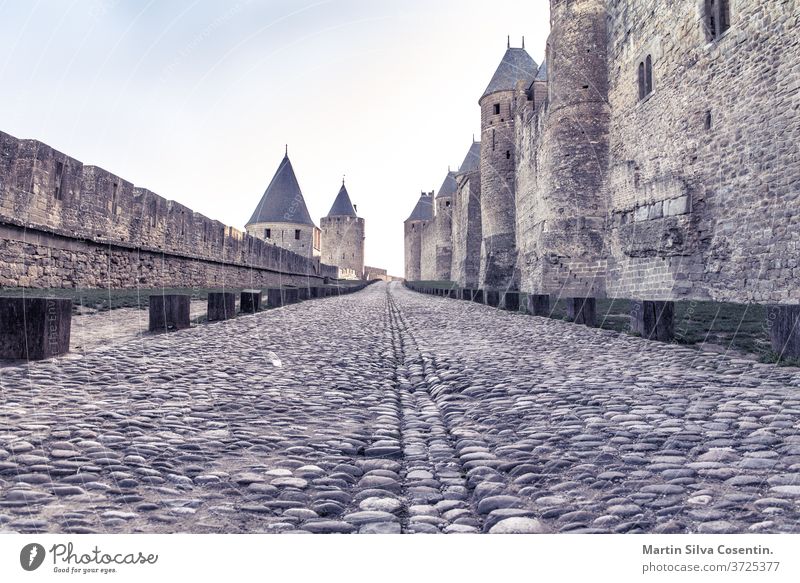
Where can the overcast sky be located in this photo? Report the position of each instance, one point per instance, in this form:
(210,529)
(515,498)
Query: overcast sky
(195,99)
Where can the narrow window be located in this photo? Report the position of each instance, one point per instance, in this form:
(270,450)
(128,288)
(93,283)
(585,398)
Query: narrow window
(153,213)
(447,203)
(114,189)
(718,18)
(492,139)
(645,77)
(497,109)
(508,154)
(58,178)
(297,234)
(641,82)
(267,233)
(708,120)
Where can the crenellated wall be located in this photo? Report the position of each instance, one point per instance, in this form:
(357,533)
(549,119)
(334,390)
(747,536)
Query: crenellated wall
(65,224)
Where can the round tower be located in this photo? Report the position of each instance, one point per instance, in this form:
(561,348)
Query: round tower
(577,138)
(444,227)
(413,231)
(498,160)
(343,237)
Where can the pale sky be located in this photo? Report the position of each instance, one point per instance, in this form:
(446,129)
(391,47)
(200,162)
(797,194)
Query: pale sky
(195,99)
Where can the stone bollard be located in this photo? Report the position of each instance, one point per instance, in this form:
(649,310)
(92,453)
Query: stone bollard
(581,310)
(653,320)
(538,304)
(34,328)
(783,324)
(510,301)
(169,312)
(221,306)
(250,301)
(491,297)
(275,297)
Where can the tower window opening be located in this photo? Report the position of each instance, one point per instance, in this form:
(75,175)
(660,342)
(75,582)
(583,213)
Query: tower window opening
(114,189)
(493,142)
(58,195)
(268,233)
(497,109)
(508,154)
(447,203)
(708,120)
(297,234)
(645,77)
(718,18)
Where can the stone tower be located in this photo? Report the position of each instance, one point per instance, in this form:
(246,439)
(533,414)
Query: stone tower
(281,216)
(444,226)
(498,163)
(343,236)
(414,226)
(466,232)
(576,137)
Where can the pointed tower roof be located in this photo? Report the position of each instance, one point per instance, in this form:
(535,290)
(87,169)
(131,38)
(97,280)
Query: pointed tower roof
(342,207)
(283,201)
(542,74)
(424,209)
(472,159)
(517,65)
(449,186)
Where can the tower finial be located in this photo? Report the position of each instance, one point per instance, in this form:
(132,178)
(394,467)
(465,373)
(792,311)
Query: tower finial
(523,42)
(508,44)
(287,150)
(343,175)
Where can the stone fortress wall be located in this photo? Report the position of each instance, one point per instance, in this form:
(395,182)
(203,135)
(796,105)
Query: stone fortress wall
(343,243)
(65,224)
(691,190)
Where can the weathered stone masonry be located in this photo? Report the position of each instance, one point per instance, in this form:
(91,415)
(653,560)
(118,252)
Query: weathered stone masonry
(653,157)
(63,224)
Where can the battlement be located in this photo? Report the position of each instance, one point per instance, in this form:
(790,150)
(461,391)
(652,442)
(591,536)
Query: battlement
(44,190)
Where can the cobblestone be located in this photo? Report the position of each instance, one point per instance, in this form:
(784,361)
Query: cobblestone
(398,412)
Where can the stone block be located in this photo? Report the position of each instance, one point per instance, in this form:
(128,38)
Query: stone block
(250,301)
(316,292)
(221,306)
(291,295)
(510,301)
(654,320)
(582,310)
(169,312)
(783,325)
(34,328)
(491,297)
(452,293)
(477,296)
(275,297)
(538,304)
(303,293)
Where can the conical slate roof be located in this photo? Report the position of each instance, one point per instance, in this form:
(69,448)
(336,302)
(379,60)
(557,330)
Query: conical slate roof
(542,74)
(472,160)
(342,207)
(517,65)
(449,186)
(282,201)
(424,209)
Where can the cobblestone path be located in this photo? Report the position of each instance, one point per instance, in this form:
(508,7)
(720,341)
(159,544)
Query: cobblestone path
(389,412)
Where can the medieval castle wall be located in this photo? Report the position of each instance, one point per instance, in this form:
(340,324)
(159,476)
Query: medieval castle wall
(704,173)
(466,230)
(65,224)
(343,243)
(428,251)
(658,158)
